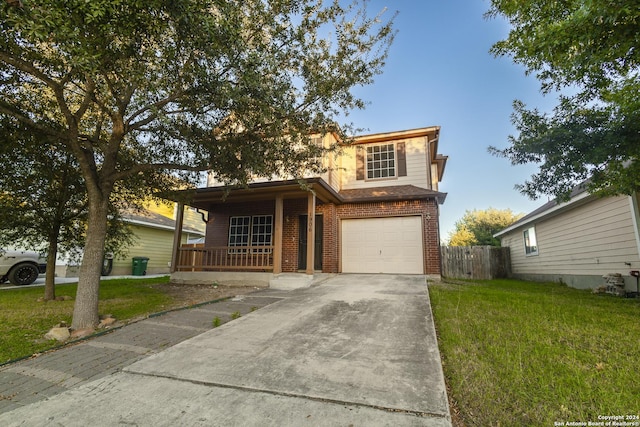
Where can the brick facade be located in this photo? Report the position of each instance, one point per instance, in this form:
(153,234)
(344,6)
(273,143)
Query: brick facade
(218,226)
(426,208)
(217,233)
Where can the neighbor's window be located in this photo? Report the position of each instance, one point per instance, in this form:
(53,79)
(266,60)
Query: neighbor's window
(381,161)
(244,229)
(530,242)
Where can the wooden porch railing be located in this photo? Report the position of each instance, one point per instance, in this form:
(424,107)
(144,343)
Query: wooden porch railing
(223,258)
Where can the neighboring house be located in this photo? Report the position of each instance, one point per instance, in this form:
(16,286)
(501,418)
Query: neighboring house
(153,230)
(375,210)
(152,238)
(578,241)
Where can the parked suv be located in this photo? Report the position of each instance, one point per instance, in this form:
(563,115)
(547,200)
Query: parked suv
(21,267)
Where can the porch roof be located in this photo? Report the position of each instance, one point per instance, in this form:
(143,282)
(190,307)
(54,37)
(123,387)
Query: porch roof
(203,198)
(395,192)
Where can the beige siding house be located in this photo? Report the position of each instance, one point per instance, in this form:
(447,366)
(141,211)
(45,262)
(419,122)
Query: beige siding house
(578,241)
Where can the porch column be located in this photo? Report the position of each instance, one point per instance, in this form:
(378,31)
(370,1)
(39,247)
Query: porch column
(277,237)
(311,231)
(177,237)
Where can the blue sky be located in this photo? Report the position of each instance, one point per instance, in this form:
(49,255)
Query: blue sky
(440,72)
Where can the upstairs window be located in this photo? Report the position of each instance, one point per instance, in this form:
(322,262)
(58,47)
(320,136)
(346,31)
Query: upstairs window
(381,161)
(530,241)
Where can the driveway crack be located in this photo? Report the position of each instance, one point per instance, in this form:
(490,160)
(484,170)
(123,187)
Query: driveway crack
(421,414)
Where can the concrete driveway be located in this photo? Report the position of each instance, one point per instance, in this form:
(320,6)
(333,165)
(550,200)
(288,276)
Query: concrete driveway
(356,350)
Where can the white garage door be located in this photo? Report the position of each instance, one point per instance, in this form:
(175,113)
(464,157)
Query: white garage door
(382,245)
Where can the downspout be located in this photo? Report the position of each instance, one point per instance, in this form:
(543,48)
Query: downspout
(635,217)
(439,244)
(428,150)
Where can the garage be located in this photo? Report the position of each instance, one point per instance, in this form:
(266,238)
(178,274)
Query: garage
(383,245)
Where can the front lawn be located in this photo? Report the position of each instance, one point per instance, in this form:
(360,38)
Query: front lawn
(24,320)
(523,353)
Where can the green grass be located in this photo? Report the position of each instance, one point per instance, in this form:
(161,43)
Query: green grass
(216,322)
(522,353)
(24,320)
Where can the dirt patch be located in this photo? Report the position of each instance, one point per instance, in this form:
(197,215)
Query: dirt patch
(185,295)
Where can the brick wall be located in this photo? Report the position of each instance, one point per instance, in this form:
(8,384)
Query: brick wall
(292,208)
(428,209)
(330,253)
(218,227)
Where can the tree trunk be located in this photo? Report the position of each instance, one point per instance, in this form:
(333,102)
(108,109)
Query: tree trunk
(85,310)
(50,277)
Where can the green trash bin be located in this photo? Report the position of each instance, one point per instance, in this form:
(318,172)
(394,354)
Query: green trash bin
(139,265)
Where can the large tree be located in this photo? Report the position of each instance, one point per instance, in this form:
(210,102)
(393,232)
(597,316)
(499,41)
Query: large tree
(477,227)
(43,204)
(588,49)
(139,90)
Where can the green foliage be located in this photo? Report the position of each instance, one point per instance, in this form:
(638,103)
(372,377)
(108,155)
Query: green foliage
(42,196)
(461,237)
(236,315)
(43,202)
(141,93)
(521,353)
(43,199)
(477,227)
(216,322)
(589,47)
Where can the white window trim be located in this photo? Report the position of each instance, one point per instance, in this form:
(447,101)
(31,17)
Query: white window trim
(268,236)
(318,142)
(367,162)
(250,235)
(526,236)
(232,244)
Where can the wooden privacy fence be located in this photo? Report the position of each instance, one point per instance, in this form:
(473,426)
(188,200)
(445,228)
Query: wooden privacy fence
(475,262)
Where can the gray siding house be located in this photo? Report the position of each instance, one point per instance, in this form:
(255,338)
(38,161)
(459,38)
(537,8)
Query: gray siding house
(578,241)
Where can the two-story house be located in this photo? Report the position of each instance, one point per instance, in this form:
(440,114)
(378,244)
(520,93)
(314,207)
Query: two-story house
(374,210)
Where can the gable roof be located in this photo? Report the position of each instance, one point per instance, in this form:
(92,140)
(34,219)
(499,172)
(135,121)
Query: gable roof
(147,218)
(578,196)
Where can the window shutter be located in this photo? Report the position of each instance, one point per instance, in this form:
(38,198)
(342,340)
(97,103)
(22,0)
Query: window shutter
(359,163)
(402,159)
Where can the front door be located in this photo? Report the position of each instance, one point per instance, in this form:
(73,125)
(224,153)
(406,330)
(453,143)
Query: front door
(302,244)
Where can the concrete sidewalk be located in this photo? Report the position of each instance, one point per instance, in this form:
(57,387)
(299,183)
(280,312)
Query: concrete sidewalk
(355,350)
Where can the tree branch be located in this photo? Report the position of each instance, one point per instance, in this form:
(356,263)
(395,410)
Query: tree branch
(151,117)
(47,130)
(28,68)
(88,98)
(159,166)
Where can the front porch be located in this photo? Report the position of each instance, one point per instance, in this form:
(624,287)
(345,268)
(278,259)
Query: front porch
(262,230)
(224,258)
